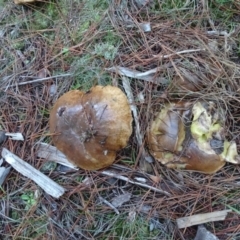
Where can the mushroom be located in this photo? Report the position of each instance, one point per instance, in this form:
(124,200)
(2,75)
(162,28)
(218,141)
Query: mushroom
(191,137)
(89,128)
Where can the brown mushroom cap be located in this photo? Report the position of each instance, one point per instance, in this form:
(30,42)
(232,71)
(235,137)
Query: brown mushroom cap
(89,128)
(171,140)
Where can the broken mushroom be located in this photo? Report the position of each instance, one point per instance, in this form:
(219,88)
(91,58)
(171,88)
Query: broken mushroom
(89,128)
(190,136)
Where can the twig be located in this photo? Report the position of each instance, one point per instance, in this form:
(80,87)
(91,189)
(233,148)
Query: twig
(39,80)
(220,33)
(128,90)
(120,177)
(181,52)
(52,154)
(146,76)
(109,204)
(139,136)
(47,184)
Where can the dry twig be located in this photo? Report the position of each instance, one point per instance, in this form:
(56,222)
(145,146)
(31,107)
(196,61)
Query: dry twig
(47,184)
(38,80)
(114,175)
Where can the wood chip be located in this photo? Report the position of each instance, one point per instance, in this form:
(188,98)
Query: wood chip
(23,1)
(202,218)
(47,184)
(51,153)
(15,136)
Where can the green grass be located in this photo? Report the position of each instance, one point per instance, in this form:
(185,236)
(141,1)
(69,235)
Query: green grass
(29,200)
(123,227)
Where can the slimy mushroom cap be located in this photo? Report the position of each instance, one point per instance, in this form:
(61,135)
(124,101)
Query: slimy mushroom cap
(89,128)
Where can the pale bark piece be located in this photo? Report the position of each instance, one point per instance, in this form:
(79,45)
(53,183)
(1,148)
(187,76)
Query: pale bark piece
(24,1)
(47,184)
(202,218)
(51,153)
(15,136)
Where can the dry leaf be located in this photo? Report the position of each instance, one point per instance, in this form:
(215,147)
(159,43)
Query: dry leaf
(155,179)
(119,200)
(204,234)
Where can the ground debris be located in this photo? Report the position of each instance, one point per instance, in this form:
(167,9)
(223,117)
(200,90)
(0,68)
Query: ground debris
(203,233)
(51,153)
(15,136)
(3,172)
(47,184)
(119,200)
(202,218)
(109,204)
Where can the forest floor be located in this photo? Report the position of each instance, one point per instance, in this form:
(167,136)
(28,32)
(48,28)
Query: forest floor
(48,48)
